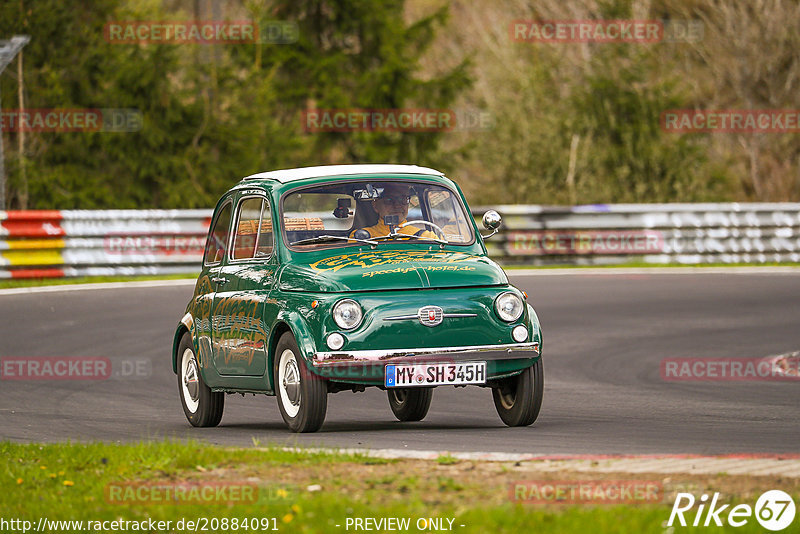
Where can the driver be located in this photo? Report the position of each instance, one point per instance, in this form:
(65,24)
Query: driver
(394,201)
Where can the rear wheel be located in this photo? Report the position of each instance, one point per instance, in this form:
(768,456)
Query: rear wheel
(410,404)
(518,398)
(302,396)
(202,406)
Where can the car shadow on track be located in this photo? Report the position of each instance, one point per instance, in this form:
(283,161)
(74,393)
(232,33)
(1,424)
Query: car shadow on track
(361,426)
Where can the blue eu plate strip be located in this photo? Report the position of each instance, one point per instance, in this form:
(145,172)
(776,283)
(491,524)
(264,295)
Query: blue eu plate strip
(390,376)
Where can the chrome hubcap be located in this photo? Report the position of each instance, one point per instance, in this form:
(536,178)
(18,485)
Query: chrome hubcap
(190,380)
(507,397)
(291,382)
(399,395)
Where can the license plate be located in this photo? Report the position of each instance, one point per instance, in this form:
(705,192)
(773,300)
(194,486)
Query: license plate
(435,374)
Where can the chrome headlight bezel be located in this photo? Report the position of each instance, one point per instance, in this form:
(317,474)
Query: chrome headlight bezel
(500,310)
(335,341)
(347,322)
(519,333)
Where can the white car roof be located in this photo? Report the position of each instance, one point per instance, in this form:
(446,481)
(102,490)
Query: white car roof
(288,175)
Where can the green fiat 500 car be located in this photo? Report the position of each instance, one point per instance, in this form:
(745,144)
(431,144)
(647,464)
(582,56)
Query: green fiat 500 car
(326,279)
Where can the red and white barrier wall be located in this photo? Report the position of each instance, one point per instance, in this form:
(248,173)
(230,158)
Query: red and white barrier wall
(47,243)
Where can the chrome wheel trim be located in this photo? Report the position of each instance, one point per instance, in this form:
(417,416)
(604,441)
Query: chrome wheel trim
(190,381)
(289,383)
(507,397)
(399,395)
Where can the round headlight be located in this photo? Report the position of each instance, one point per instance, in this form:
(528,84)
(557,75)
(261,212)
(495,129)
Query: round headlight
(347,314)
(335,341)
(508,306)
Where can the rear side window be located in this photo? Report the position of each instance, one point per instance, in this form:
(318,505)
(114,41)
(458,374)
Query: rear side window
(253,230)
(217,243)
(266,239)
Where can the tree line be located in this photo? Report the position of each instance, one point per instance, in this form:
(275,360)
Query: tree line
(547,123)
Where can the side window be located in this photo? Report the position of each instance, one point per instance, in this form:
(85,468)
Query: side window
(244,242)
(265,237)
(218,238)
(253,230)
(445,213)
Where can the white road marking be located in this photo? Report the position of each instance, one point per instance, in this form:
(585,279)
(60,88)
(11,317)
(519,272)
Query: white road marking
(651,270)
(106,285)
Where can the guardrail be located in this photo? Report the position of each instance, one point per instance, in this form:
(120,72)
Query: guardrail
(649,233)
(132,242)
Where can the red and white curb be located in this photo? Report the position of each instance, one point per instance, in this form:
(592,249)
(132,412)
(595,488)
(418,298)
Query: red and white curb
(786,465)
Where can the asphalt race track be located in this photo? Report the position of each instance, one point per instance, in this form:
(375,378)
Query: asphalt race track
(604,338)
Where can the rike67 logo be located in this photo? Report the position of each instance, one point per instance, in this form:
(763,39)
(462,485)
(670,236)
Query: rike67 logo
(774,510)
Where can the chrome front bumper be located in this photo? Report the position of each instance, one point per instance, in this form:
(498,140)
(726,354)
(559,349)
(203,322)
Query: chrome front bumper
(417,355)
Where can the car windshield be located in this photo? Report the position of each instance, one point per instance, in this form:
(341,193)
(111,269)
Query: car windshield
(377,212)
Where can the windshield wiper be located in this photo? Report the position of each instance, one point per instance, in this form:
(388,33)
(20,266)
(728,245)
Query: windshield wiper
(324,238)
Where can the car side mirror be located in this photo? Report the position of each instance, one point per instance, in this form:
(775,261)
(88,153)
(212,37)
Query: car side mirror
(342,210)
(491,221)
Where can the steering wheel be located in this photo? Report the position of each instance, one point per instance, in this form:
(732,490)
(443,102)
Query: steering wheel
(436,227)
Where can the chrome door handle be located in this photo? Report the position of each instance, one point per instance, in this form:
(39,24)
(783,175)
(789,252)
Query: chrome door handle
(220,280)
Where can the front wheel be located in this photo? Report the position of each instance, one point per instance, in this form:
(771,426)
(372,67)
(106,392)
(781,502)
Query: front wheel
(410,404)
(302,396)
(202,406)
(518,398)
